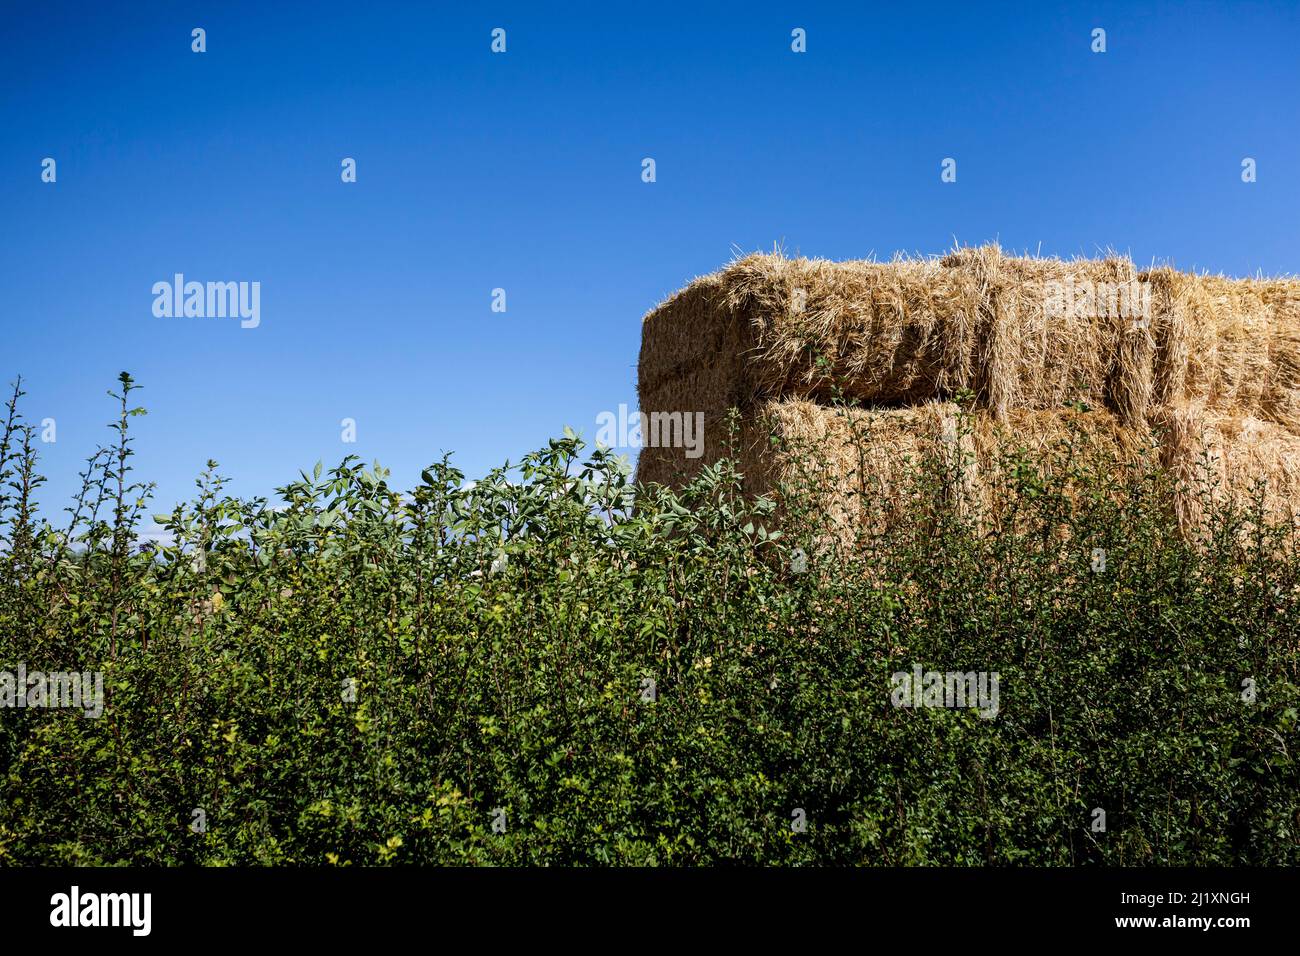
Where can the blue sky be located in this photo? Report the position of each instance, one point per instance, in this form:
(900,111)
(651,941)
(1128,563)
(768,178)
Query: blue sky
(522,171)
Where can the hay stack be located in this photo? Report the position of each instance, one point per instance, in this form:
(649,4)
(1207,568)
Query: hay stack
(1229,458)
(887,333)
(1198,363)
(1230,347)
(863,465)
(857,462)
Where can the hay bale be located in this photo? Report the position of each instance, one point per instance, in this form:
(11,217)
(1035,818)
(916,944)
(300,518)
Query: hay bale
(1218,458)
(864,469)
(1179,429)
(769,327)
(1230,346)
(1059,331)
(858,465)
(1245,452)
(1280,397)
(1208,366)
(692,360)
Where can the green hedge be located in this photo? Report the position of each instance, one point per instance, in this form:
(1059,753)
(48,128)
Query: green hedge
(359,676)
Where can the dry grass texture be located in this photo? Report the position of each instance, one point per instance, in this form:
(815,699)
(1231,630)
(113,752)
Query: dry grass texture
(865,465)
(1211,365)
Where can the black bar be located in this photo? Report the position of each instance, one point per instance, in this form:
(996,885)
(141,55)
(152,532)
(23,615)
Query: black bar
(658,907)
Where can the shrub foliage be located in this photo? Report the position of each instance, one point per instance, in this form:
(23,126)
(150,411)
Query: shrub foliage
(553,666)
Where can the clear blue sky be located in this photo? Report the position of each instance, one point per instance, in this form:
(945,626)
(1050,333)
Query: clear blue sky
(523,171)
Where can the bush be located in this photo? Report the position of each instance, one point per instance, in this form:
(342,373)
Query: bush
(553,666)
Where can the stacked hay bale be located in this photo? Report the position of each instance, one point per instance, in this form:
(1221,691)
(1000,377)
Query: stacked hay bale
(1201,371)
